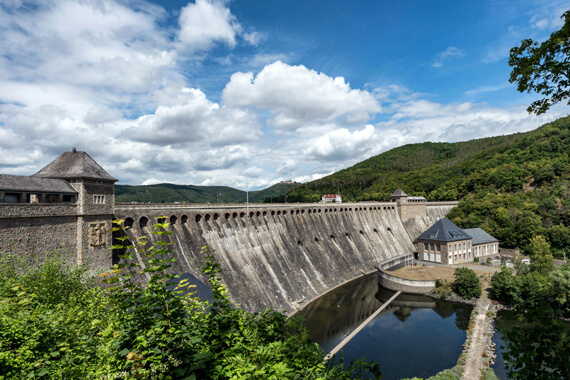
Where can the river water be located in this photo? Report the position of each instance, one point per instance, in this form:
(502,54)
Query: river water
(414,336)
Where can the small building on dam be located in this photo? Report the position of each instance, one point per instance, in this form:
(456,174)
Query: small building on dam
(271,255)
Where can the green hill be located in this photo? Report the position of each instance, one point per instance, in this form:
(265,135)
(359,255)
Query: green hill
(515,187)
(167,193)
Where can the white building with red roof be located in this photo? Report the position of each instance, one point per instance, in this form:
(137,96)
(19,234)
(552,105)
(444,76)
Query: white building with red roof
(327,198)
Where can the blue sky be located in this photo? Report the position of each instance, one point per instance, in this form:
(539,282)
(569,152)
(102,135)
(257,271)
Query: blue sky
(238,93)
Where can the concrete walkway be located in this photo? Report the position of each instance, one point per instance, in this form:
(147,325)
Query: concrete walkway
(474,361)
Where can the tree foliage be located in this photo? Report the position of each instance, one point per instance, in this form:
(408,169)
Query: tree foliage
(538,347)
(466,283)
(544,68)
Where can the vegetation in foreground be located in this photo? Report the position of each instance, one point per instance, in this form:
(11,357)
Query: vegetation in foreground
(56,323)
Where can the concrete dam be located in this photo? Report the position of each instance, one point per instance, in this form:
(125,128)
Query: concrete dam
(273,256)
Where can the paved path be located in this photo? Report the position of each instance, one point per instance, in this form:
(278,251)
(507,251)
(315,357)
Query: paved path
(474,361)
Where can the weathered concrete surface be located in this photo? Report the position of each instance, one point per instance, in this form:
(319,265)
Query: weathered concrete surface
(291,252)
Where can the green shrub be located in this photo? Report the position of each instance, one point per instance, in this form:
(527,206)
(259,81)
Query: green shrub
(466,283)
(505,286)
(442,289)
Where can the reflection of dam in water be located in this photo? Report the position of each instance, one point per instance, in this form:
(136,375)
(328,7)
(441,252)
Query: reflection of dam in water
(336,314)
(410,323)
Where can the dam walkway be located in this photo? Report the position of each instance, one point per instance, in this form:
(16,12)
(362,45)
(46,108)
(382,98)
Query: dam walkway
(474,362)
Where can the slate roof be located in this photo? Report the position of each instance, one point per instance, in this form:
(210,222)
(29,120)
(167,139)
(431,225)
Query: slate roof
(399,193)
(479,236)
(18,183)
(444,230)
(416,199)
(74,165)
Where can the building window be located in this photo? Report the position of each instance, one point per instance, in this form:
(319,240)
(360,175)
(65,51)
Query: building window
(455,258)
(432,247)
(463,246)
(469,246)
(455,248)
(425,246)
(98,199)
(438,247)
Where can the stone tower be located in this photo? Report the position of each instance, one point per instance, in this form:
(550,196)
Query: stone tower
(409,207)
(95,204)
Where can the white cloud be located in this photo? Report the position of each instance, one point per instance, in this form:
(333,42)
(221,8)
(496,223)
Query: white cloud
(445,55)
(153,181)
(485,89)
(342,144)
(296,95)
(549,18)
(254,38)
(192,118)
(206,22)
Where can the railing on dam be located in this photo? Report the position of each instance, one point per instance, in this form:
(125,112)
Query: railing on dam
(359,205)
(207,212)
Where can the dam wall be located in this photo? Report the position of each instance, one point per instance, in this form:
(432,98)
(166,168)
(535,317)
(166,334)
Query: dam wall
(273,256)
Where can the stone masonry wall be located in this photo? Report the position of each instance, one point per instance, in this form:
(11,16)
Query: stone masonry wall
(34,236)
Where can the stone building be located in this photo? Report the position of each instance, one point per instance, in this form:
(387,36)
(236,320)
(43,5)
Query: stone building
(408,207)
(68,204)
(483,243)
(446,243)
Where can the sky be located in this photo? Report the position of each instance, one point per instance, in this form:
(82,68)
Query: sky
(248,93)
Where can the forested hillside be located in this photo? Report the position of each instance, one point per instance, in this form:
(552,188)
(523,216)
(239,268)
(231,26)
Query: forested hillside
(515,187)
(167,192)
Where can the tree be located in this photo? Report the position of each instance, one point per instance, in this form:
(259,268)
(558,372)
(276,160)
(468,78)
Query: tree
(466,283)
(544,68)
(541,259)
(505,286)
(538,347)
(559,283)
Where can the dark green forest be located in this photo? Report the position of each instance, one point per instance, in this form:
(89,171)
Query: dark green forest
(515,187)
(168,193)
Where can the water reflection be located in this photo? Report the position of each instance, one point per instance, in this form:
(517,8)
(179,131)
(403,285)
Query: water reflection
(414,336)
(505,322)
